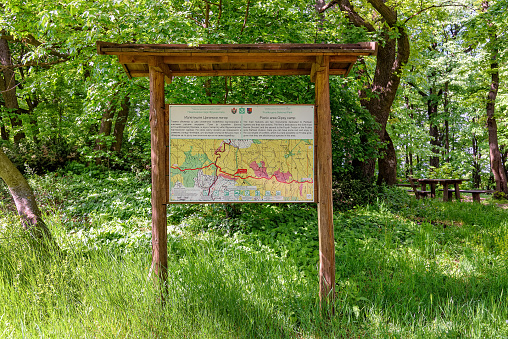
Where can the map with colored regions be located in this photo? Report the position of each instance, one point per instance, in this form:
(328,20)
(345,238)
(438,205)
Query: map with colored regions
(241,170)
(241,153)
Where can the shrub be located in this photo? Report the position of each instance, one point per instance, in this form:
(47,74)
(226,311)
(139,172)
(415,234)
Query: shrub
(498,195)
(349,192)
(43,156)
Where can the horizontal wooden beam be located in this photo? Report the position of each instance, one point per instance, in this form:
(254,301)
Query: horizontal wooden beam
(205,59)
(255,72)
(163,49)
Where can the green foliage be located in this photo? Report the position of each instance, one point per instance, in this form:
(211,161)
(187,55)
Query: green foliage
(446,170)
(498,195)
(41,157)
(354,136)
(349,193)
(417,268)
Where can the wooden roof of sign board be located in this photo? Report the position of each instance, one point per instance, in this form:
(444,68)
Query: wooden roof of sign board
(230,60)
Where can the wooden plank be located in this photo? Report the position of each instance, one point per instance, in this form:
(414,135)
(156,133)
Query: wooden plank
(343,58)
(226,72)
(159,177)
(153,49)
(204,59)
(338,72)
(126,69)
(313,72)
(133,59)
(324,181)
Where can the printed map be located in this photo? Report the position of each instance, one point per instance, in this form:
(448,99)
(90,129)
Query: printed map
(241,170)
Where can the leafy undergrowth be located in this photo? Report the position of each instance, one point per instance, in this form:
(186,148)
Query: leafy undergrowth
(404,268)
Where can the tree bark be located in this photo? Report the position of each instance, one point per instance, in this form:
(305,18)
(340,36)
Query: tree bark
(446,103)
(393,54)
(104,132)
(496,164)
(432,100)
(432,106)
(8,89)
(120,123)
(24,199)
(388,164)
(4,134)
(476,163)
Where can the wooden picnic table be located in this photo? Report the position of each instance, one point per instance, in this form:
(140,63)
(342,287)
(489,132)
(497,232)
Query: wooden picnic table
(444,183)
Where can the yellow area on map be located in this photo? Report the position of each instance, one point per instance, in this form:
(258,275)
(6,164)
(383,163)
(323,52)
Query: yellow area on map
(241,170)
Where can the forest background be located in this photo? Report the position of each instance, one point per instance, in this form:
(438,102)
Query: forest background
(432,103)
(422,104)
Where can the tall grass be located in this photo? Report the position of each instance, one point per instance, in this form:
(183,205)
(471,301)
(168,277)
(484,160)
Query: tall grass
(404,269)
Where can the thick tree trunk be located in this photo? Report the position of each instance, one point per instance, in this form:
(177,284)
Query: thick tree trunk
(446,102)
(496,165)
(120,123)
(24,199)
(8,89)
(393,54)
(388,164)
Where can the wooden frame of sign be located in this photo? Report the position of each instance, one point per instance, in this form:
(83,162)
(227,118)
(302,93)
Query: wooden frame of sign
(163,62)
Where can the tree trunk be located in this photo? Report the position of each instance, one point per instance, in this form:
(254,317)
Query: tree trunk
(496,164)
(476,163)
(446,102)
(121,121)
(411,164)
(432,108)
(388,164)
(4,134)
(24,199)
(8,89)
(104,132)
(393,54)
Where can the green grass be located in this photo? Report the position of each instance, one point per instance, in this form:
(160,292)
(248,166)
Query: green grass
(404,268)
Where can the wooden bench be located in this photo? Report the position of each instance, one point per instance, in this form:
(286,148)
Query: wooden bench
(404,185)
(474,193)
(418,193)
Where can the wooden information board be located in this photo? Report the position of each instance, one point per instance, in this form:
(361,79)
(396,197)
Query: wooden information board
(163,62)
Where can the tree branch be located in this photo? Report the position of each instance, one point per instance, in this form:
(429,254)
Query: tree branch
(436,6)
(422,93)
(386,12)
(353,17)
(246,16)
(31,40)
(327,6)
(32,64)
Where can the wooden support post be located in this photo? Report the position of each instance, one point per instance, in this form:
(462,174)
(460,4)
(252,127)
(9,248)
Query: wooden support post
(324,181)
(159,178)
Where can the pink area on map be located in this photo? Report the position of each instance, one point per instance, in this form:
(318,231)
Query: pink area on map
(260,172)
(227,176)
(301,189)
(282,177)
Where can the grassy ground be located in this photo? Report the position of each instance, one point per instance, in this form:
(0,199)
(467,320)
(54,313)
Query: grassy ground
(405,268)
